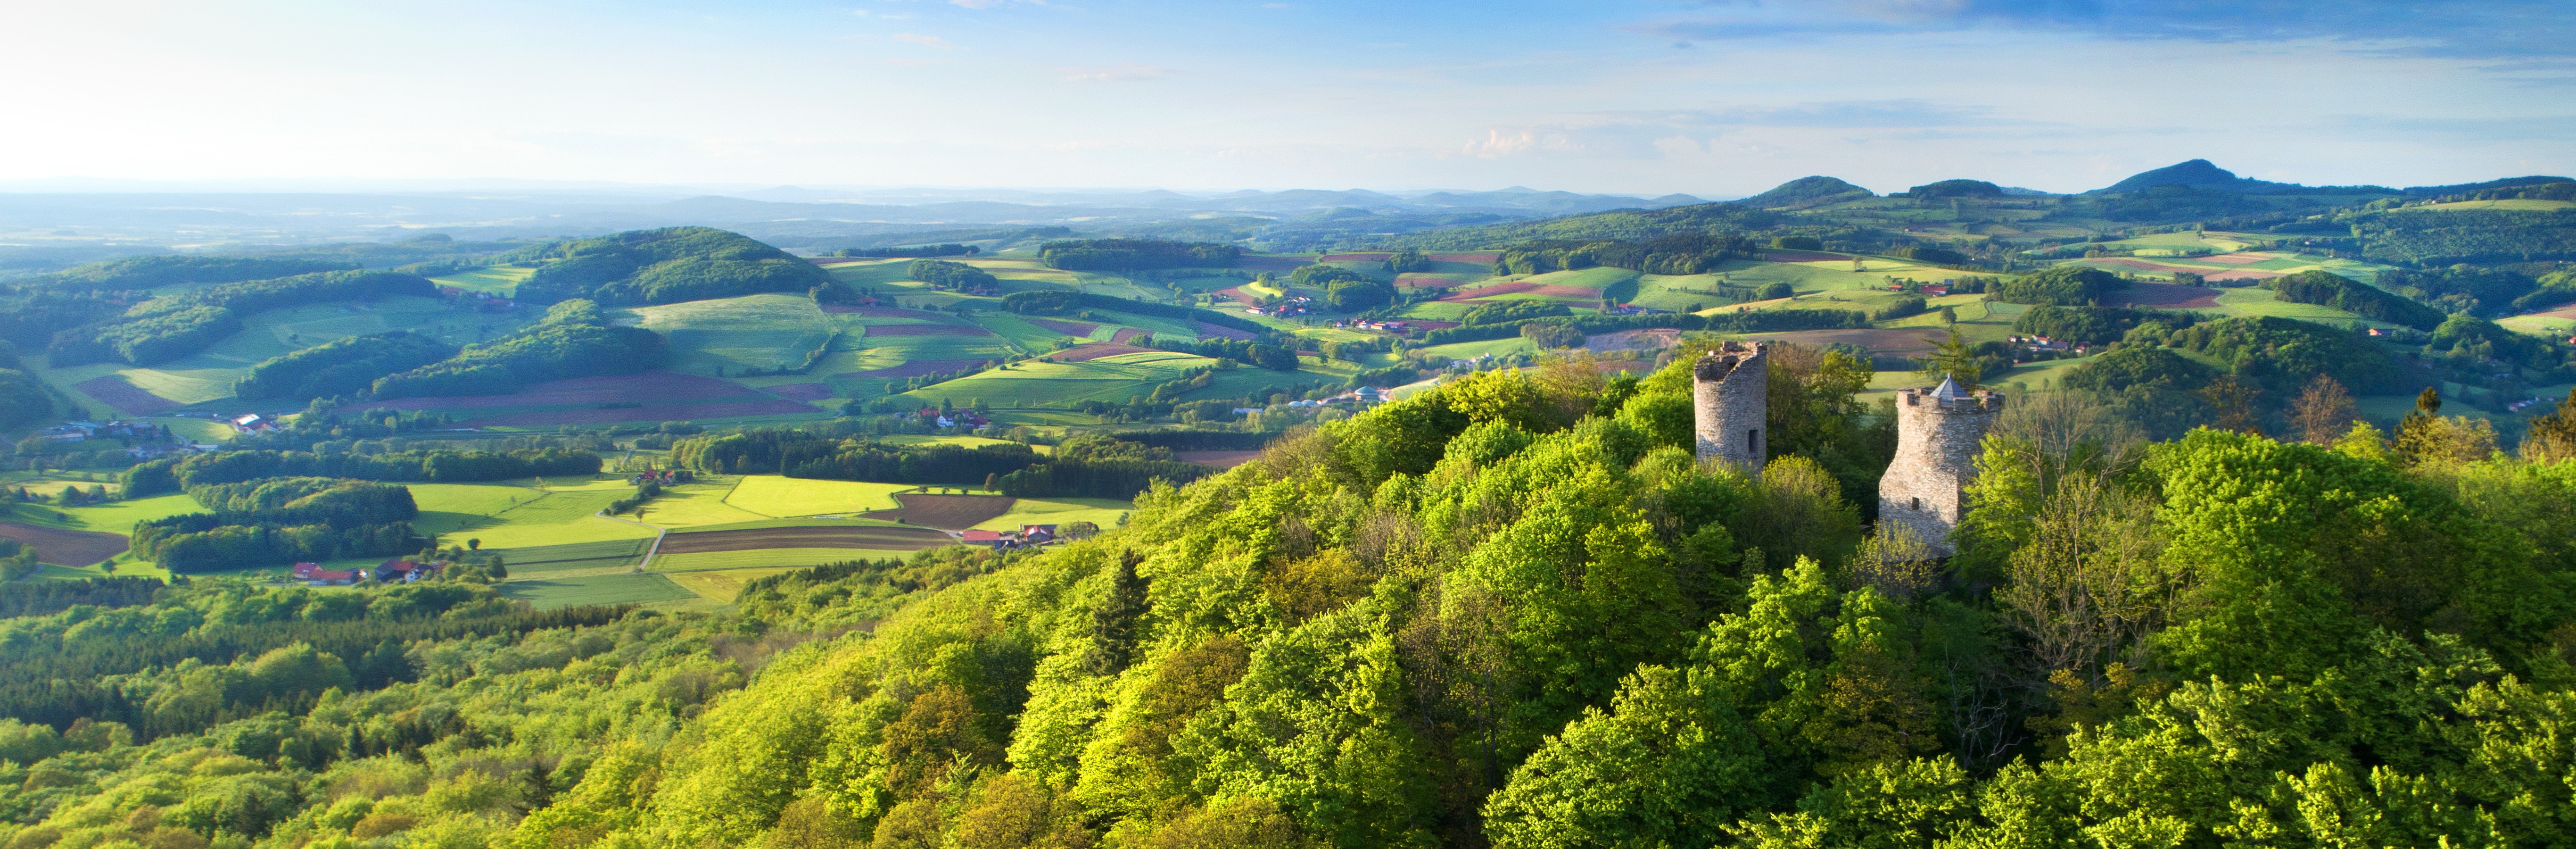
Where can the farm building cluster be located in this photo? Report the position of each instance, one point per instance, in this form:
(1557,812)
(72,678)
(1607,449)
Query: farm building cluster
(481,301)
(142,441)
(390,571)
(1028,536)
(936,417)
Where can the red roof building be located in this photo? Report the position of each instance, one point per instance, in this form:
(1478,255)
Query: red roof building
(312,574)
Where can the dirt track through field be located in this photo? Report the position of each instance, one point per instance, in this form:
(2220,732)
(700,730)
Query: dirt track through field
(65,548)
(947,512)
(818,536)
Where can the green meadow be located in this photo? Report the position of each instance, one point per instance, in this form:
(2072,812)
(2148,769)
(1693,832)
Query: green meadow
(499,280)
(728,336)
(772,495)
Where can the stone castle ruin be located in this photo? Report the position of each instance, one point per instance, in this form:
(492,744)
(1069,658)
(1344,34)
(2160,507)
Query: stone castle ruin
(1938,432)
(1731,404)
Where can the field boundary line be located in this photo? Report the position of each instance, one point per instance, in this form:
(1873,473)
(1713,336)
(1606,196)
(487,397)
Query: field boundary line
(658,534)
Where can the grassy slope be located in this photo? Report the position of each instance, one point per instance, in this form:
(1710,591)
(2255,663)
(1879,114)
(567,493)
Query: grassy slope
(1111,379)
(496,280)
(208,376)
(1103,512)
(727,336)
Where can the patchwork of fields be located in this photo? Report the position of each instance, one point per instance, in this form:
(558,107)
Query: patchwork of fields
(782,358)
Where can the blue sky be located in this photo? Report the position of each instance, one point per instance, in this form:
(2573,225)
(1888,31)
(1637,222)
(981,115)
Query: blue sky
(1716,98)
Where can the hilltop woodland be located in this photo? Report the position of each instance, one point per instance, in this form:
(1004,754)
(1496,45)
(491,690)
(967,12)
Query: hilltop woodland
(665,266)
(574,340)
(1512,611)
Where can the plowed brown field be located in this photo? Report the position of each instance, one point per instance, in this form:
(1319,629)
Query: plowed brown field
(948,512)
(65,548)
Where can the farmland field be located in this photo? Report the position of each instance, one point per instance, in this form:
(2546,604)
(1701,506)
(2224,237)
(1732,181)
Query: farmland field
(868,536)
(579,556)
(768,558)
(949,512)
(1103,512)
(772,495)
(115,517)
(516,518)
(209,374)
(1112,379)
(65,547)
(722,586)
(498,280)
(692,505)
(203,431)
(728,336)
(649,396)
(577,590)
(1495,347)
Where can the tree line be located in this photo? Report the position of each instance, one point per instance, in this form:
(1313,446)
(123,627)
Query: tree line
(349,366)
(173,326)
(431,466)
(574,340)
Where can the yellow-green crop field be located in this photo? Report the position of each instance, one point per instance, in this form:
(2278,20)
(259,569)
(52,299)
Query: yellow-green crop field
(772,495)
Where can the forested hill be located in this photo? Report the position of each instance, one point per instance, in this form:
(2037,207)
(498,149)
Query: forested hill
(1512,611)
(665,266)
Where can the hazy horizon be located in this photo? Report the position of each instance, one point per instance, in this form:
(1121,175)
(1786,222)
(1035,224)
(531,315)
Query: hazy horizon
(1717,100)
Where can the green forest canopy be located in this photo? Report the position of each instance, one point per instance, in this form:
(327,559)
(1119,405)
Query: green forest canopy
(664,266)
(1512,611)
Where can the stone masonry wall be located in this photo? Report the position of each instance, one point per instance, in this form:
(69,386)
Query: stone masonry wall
(1731,406)
(1936,457)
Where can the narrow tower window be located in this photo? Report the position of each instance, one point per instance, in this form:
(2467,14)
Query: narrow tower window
(1753,441)
(1918,504)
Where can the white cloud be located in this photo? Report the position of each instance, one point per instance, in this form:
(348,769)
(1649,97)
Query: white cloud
(924,40)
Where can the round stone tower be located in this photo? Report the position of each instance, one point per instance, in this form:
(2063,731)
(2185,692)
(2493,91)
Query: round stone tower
(1731,405)
(1937,434)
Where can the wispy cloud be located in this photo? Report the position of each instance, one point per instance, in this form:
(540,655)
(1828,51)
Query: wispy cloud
(1659,134)
(923,40)
(2458,28)
(1122,72)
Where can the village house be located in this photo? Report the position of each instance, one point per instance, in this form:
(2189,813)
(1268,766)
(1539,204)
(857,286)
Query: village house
(313,575)
(408,571)
(662,477)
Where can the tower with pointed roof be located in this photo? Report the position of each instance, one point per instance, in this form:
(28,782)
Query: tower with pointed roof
(1731,406)
(1937,435)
